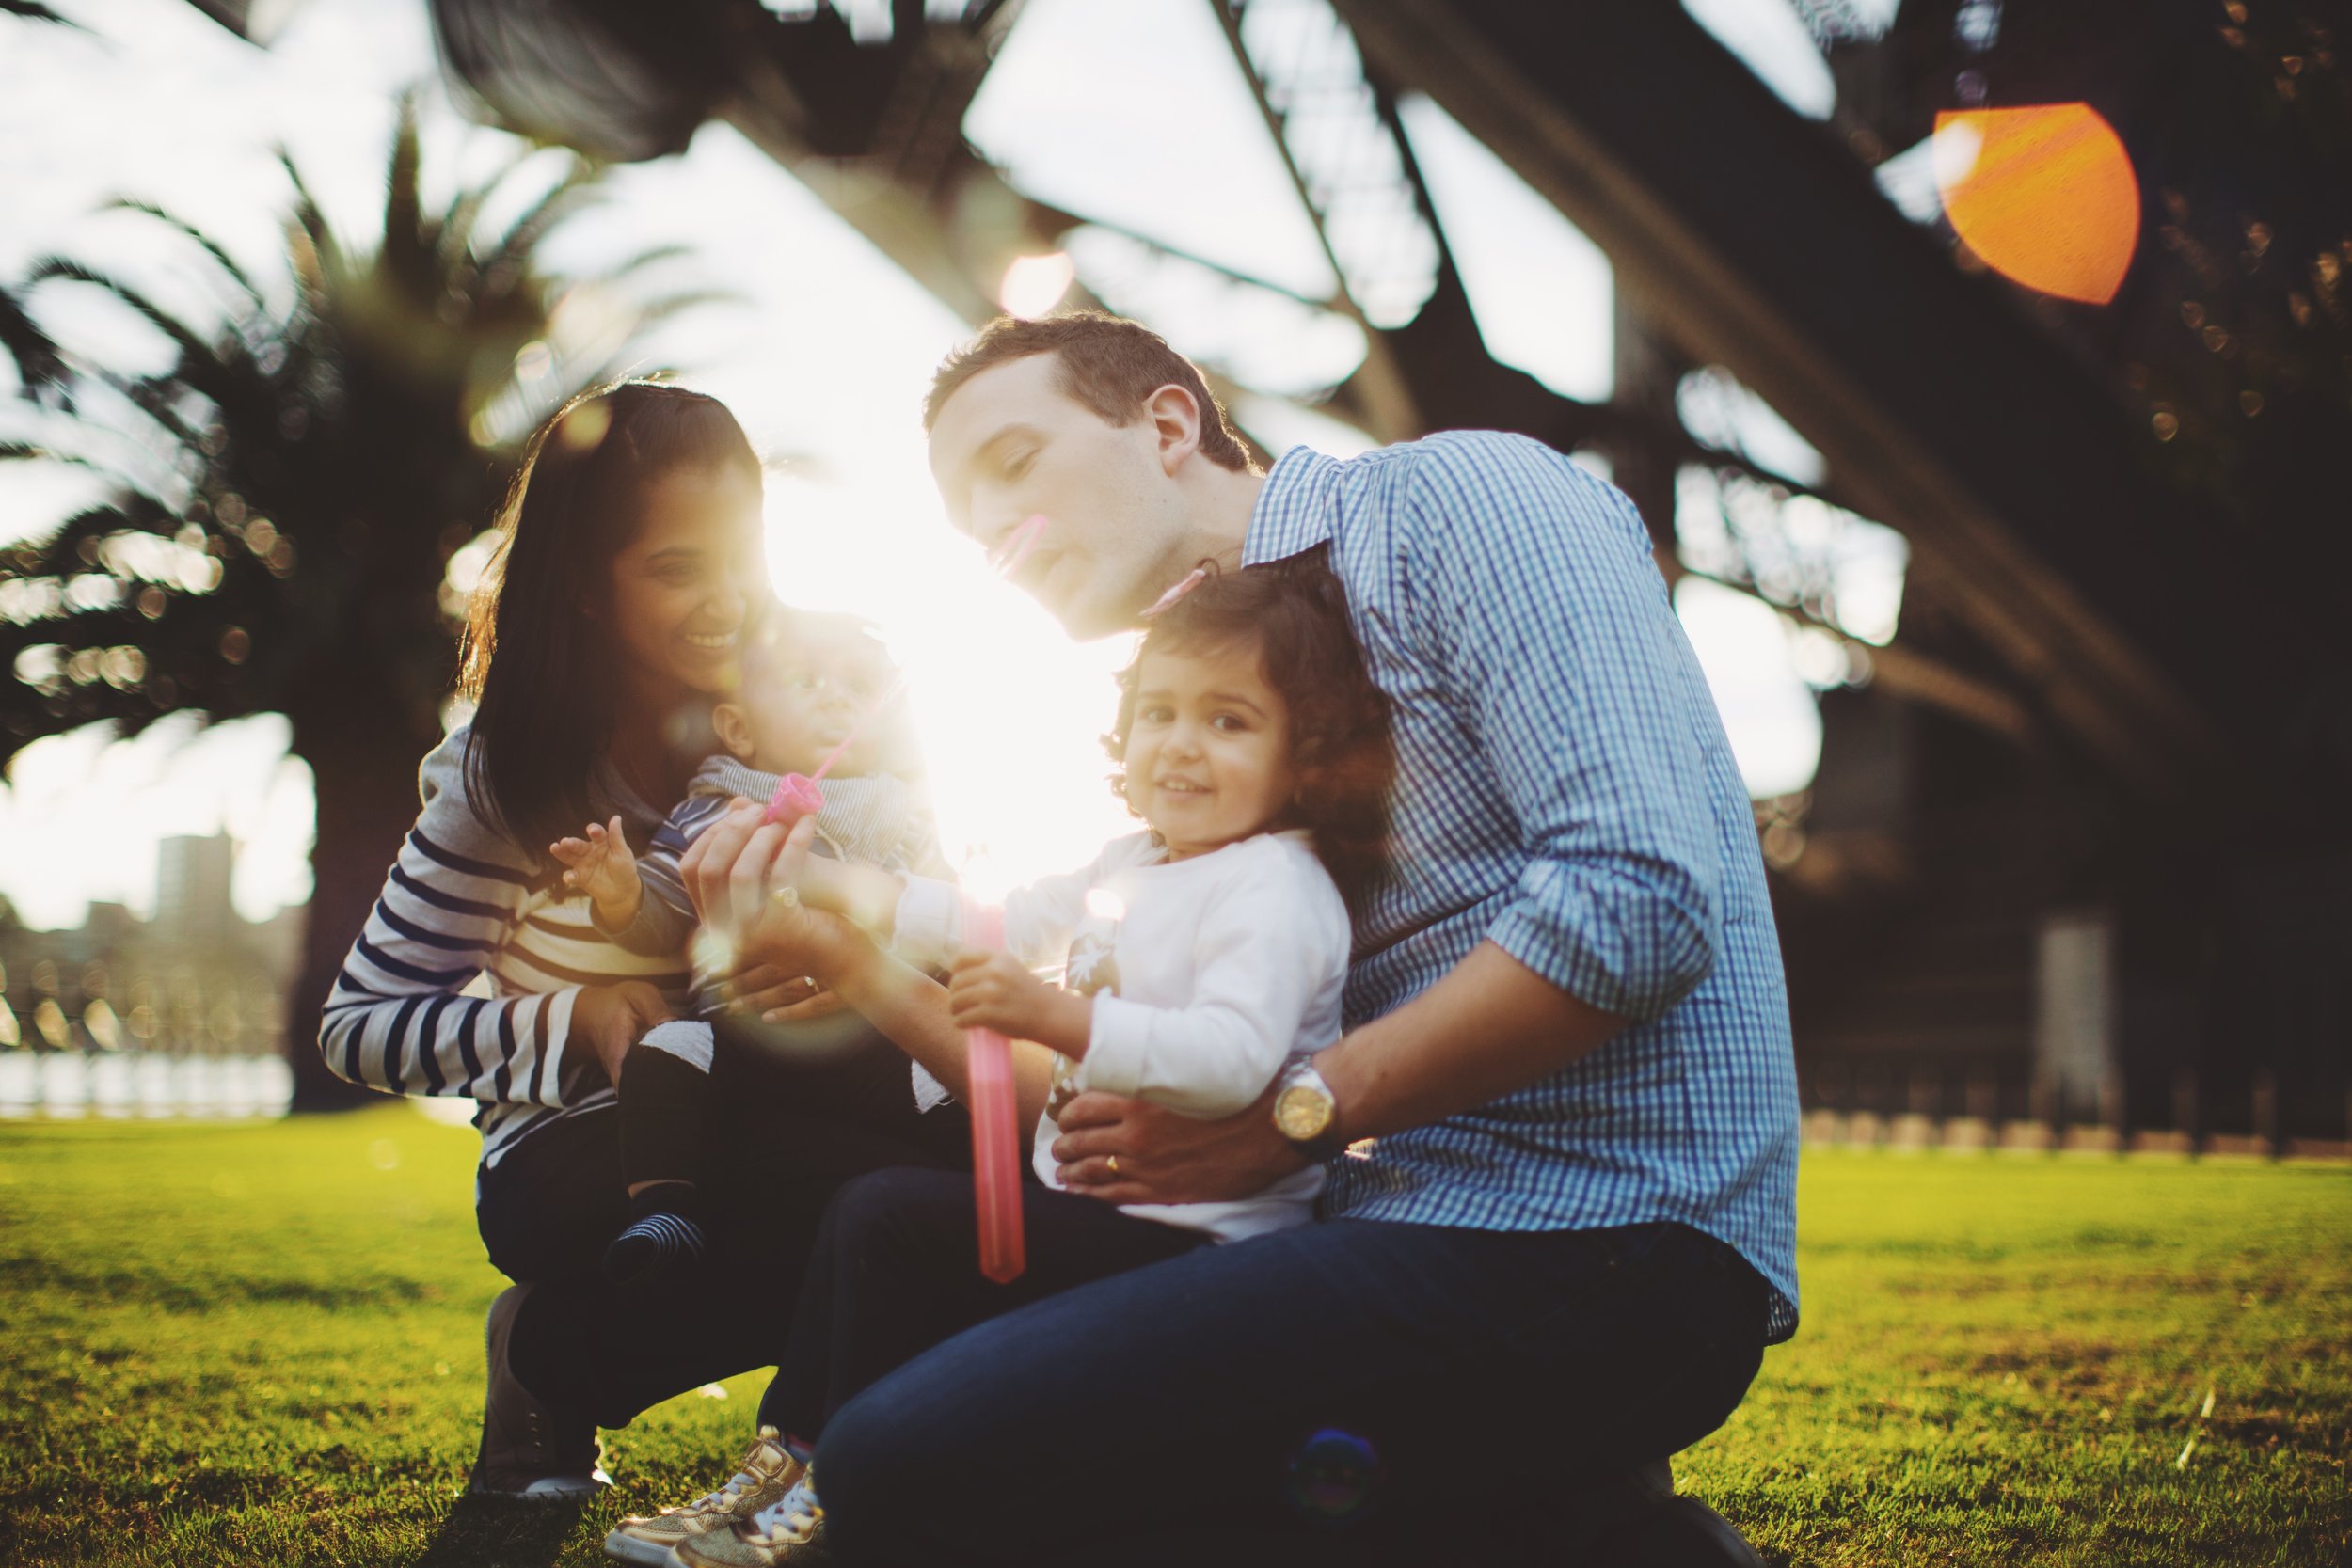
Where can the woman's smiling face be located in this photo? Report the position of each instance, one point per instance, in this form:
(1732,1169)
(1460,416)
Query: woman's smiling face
(1208,758)
(681,587)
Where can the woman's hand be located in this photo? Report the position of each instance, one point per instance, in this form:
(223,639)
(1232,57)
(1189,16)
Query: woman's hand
(1164,1157)
(988,989)
(611,1019)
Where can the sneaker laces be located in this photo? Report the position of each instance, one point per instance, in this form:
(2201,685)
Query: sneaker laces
(791,1519)
(722,1501)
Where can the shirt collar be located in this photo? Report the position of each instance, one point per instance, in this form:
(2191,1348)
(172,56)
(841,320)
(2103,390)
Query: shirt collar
(1295,508)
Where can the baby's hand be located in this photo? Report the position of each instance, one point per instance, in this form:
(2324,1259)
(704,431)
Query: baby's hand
(602,868)
(991,990)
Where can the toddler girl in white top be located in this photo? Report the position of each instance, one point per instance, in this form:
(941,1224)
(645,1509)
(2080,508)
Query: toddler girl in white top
(1202,954)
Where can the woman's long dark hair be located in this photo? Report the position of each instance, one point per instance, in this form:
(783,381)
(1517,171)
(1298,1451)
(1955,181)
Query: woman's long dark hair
(1294,614)
(540,669)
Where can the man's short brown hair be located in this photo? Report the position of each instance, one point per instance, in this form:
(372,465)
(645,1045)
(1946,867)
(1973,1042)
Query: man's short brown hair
(1107,363)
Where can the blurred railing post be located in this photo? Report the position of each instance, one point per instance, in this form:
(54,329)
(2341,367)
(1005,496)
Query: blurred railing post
(2266,1128)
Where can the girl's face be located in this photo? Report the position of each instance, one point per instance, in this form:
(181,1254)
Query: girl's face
(1208,756)
(681,587)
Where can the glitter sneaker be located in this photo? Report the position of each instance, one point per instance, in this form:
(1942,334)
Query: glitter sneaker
(766,1475)
(792,1522)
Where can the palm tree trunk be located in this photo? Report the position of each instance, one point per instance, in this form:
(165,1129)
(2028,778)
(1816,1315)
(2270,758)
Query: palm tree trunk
(363,767)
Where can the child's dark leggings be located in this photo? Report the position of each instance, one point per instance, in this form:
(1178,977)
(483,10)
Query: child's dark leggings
(670,1108)
(896,1270)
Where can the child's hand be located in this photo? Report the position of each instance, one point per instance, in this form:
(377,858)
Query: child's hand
(991,990)
(602,868)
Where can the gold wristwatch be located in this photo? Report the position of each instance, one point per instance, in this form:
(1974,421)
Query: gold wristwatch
(1306,1113)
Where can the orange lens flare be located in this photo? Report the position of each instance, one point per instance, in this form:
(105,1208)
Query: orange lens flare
(2044,195)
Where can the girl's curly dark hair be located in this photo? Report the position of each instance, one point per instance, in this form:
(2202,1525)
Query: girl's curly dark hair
(1294,612)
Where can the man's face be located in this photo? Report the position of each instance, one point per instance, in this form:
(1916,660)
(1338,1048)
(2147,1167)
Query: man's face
(1009,445)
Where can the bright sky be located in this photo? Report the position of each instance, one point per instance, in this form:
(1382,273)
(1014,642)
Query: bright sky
(825,362)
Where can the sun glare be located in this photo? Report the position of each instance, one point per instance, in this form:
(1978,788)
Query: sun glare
(1035,284)
(1008,709)
(2045,196)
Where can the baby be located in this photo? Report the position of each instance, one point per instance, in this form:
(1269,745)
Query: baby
(809,682)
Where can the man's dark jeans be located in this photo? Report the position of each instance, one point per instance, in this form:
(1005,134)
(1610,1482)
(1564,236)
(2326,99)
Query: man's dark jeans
(1351,1392)
(787,1129)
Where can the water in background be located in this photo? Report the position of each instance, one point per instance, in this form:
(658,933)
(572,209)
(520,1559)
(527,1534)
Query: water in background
(122,1084)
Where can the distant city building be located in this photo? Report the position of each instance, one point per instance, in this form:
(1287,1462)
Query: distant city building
(198,979)
(192,887)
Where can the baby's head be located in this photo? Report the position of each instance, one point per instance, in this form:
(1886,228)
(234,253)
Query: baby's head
(809,680)
(1248,709)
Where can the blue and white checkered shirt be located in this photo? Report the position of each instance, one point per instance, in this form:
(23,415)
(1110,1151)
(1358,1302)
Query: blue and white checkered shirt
(1565,789)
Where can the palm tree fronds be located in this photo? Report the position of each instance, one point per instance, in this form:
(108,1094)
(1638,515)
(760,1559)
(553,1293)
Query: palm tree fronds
(574,191)
(654,312)
(191,344)
(204,241)
(32,10)
(40,366)
(324,259)
(405,251)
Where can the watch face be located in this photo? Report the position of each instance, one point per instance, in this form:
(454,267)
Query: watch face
(1302,1112)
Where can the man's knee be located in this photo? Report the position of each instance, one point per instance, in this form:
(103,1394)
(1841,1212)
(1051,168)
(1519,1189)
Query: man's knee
(888,1497)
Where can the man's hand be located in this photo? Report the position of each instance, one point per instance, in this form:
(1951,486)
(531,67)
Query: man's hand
(991,990)
(772,996)
(742,874)
(1164,1157)
(601,865)
(611,1019)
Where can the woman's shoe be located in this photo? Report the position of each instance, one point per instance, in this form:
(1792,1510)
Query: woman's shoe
(766,1473)
(529,1452)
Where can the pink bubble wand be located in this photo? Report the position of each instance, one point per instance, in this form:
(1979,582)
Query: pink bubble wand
(995,1138)
(797,795)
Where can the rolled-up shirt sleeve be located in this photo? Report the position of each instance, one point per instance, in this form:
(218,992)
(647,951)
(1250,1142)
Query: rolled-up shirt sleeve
(1561,653)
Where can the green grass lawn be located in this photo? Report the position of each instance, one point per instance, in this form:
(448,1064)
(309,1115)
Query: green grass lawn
(262,1344)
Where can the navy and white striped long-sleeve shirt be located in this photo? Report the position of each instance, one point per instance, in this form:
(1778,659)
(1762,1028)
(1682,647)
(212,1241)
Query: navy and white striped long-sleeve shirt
(1566,790)
(464,901)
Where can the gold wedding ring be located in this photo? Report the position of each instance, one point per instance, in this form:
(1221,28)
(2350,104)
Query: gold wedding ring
(1113,1163)
(787,896)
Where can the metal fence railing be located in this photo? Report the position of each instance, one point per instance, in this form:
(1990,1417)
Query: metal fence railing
(124,1085)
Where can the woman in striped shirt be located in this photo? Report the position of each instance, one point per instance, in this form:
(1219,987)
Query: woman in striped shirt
(630,566)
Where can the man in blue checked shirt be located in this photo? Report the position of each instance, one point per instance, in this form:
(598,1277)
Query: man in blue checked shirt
(1565,1230)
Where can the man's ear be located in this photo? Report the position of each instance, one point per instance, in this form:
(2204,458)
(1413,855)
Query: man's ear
(1175,415)
(733,728)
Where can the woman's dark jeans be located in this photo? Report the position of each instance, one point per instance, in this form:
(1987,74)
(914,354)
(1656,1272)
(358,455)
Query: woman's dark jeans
(785,1131)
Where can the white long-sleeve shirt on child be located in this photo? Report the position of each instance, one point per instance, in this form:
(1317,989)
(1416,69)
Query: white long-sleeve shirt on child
(1208,975)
